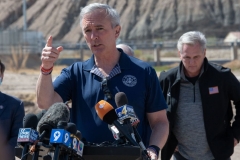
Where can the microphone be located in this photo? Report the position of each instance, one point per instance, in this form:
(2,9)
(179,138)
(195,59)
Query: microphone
(27,135)
(120,139)
(76,136)
(126,113)
(77,145)
(80,144)
(115,131)
(71,127)
(48,119)
(107,114)
(57,112)
(40,114)
(60,138)
(79,134)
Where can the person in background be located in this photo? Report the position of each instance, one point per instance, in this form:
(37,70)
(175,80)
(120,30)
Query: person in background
(199,95)
(11,119)
(106,73)
(126,49)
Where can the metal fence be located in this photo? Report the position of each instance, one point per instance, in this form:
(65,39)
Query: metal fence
(14,41)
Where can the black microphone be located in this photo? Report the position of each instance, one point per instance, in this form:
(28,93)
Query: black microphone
(40,114)
(30,121)
(57,112)
(76,145)
(79,134)
(48,119)
(107,114)
(72,129)
(60,125)
(121,100)
(27,135)
(125,112)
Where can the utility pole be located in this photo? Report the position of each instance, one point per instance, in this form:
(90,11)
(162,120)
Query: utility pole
(24,16)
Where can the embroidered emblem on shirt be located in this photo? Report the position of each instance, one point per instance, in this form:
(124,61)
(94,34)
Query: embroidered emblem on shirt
(129,80)
(213,90)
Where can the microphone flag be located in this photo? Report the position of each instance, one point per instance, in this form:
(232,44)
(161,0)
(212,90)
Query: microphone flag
(61,136)
(126,112)
(27,135)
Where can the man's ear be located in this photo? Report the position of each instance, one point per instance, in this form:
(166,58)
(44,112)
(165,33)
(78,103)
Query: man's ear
(118,30)
(179,54)
(204,52)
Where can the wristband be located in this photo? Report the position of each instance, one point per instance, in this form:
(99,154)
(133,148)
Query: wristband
(154,148)
(46,71)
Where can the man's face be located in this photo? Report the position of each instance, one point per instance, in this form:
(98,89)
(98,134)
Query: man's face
(99,33)
(192,57)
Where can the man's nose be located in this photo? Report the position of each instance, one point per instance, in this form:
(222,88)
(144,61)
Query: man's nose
(94,35)
(191,61)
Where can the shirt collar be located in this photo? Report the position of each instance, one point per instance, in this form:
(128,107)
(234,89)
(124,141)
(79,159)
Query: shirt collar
(124,62)
(115,71)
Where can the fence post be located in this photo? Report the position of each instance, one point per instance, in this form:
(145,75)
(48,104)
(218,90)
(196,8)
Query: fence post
(81,51)
(157,54)
(234,51)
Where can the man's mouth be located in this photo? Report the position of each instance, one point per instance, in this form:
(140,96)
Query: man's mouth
(96,45)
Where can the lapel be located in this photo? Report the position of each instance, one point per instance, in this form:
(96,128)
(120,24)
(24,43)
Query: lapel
(2,104)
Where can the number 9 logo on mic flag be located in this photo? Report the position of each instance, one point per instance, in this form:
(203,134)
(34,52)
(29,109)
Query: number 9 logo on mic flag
(56,135)
(60,136)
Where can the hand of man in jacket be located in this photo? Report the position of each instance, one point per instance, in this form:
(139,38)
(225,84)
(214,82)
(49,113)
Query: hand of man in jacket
(235,142)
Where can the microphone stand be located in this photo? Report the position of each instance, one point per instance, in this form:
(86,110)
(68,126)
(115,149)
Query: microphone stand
(138,139)
(36,152)
(25,152)
(56,152)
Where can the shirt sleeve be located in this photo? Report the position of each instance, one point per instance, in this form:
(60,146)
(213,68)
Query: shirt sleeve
(63,84)
(155,99)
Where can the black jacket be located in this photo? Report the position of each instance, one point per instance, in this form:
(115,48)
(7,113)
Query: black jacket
(217,108)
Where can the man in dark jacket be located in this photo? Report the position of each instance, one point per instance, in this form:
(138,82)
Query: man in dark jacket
(11,119)
(199,94)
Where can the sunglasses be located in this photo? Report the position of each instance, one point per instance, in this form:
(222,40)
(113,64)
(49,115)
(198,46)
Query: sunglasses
(105,89)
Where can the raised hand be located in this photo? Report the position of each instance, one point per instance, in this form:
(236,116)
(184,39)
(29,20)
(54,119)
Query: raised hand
(50,54)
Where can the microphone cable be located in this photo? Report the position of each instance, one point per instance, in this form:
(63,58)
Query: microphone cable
(25,155)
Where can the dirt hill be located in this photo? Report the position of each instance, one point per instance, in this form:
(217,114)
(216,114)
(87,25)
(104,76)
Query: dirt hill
(140,19)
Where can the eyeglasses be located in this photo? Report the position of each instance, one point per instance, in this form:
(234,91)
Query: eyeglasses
(105,89)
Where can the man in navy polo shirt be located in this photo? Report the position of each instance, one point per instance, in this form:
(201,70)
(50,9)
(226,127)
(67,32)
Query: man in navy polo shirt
(106,73)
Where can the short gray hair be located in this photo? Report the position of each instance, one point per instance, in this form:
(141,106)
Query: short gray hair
(192,37)
(126,48)
(110,12)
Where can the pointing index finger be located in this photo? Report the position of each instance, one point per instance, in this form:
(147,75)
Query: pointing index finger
(49,42)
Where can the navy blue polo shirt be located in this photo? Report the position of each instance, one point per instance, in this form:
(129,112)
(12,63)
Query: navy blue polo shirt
(138,80)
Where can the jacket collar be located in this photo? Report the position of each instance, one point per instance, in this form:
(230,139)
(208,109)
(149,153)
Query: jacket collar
(180,69)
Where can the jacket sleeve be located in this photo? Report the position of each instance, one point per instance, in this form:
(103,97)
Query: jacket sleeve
(163,82)
(17,122)
(234,93)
